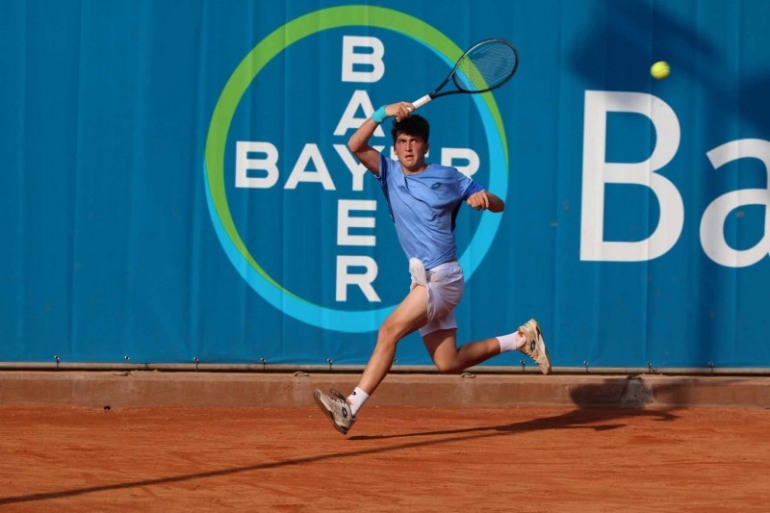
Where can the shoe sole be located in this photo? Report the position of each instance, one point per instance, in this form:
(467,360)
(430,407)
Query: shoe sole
(545,368)
(545,363)
(329,414)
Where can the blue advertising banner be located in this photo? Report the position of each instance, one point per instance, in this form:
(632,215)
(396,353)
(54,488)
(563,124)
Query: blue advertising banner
(177,184)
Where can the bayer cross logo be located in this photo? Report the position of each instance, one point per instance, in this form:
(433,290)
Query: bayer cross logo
(259,270)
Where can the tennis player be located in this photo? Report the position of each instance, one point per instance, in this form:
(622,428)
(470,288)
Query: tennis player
(424,200)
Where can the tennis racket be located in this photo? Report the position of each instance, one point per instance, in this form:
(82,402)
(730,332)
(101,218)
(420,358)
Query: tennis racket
(483,67)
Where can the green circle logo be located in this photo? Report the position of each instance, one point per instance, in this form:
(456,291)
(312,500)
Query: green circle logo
(216,141)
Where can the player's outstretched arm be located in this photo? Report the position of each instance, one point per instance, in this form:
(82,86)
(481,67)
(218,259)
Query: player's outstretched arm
(486,200)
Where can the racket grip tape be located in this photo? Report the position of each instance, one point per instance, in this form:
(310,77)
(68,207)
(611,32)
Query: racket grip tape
(422,101)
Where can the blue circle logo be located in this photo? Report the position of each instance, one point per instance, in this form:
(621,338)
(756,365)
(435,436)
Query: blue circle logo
(219,127)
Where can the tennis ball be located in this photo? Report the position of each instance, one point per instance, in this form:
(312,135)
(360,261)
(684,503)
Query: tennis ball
(660,70)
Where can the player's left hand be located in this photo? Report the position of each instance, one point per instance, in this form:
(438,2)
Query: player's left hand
(478,200)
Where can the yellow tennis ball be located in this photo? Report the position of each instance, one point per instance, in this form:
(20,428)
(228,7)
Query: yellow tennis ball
(660,70)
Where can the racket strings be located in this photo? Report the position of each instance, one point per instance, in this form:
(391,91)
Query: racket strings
(485,67)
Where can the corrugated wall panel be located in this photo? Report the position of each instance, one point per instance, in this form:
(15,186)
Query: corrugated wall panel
(124,230)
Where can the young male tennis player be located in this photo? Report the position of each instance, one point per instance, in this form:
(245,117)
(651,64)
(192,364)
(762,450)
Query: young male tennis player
(424,200)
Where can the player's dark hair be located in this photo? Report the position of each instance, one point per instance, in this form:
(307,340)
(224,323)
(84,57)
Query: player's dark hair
(415,125)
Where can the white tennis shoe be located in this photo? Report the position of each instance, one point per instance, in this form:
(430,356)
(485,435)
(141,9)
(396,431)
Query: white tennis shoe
(337,408)
(535,345)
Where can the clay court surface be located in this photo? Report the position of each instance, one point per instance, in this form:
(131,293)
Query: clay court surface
(395,459)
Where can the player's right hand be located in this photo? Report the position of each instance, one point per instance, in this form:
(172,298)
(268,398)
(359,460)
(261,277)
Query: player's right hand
(399,110)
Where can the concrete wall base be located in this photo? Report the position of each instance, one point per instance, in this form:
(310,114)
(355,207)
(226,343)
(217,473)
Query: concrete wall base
(132,389)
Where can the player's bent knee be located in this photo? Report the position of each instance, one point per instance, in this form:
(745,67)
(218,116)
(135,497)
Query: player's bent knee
(450,367)
(390,332)
(387,339)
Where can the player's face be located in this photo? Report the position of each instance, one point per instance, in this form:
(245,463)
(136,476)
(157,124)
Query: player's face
(411,151)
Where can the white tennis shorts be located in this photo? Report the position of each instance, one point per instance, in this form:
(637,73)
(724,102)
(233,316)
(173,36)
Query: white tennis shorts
(445,285)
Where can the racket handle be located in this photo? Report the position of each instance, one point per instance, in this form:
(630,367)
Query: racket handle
(422,101)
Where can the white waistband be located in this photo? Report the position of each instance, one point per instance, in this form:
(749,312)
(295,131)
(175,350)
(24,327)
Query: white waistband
(445,265)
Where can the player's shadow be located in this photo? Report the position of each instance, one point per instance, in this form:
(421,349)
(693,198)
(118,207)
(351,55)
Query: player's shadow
(599,407)
(598,419)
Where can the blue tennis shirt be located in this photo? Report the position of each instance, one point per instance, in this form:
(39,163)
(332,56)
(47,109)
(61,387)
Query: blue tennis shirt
(424,207)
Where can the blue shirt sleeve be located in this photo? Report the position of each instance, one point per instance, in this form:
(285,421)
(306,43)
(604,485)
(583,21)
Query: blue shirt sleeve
(468,186)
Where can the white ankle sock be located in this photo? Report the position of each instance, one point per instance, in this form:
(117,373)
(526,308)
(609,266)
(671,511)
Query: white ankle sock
(511,342)
(357,399)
